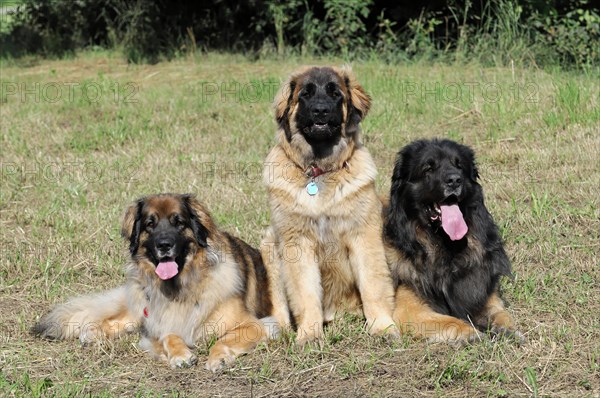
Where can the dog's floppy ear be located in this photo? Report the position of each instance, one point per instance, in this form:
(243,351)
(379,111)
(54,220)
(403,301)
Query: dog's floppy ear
(132,227)
(283,102)
(359,102)
(397,228)
(474,172)
(469,156)
(195,210)
(283,99)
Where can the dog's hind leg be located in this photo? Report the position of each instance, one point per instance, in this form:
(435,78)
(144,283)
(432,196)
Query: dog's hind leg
(89,318)
(238,333)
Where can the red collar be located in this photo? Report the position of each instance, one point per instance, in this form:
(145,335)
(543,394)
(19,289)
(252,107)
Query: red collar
(314,171)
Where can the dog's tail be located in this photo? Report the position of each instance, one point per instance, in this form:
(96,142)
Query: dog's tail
(89,318)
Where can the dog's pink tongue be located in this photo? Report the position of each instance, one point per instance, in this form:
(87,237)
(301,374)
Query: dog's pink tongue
(453,222)
(166,270)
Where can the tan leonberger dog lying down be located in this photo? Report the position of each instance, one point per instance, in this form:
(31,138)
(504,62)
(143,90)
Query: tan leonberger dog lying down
(324,251)
(187,282)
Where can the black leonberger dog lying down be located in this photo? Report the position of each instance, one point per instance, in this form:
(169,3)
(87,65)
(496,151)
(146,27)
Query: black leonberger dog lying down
(444,250)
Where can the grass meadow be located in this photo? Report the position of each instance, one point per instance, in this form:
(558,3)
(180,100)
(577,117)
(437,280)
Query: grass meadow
(85,136)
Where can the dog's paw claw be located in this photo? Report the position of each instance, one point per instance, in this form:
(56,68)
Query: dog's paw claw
(184,361)
(464,341)
(219,362)
(304,338)
(389,331)
(503,332)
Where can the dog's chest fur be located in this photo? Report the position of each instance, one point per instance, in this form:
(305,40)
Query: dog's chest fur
(286,183)
(455,279)
(186,314)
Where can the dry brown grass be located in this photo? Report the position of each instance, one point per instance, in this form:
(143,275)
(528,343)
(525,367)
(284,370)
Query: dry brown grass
(69,168)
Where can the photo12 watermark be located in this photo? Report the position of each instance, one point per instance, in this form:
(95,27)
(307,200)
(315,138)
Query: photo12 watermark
(71,171)
(233,91)
(255,172)
(222,172)
(458,92)
(68,92)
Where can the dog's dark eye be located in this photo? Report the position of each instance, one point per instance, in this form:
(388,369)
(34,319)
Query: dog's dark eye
(307,91)
(150,223)
(333,91)
(176,221)
(457,163)
(428,167)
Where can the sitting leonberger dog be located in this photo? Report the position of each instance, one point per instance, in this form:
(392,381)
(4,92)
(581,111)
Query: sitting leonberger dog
(444,250)
(186,282)
(324,246)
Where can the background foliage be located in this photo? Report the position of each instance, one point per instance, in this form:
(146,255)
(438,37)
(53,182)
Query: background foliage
(497,32)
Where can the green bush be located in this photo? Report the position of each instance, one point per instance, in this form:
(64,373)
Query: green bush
(345,27)
(51,27)
(498,32)
(575,36)
(145,29)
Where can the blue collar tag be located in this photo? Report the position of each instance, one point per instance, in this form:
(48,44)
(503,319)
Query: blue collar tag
(312,188)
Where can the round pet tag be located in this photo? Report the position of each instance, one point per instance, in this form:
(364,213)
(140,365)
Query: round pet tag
(312,188)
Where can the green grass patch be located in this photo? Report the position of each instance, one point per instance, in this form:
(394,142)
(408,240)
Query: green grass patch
(70,164)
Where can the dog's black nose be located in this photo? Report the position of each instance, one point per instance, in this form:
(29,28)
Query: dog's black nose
(453,180)
(320,110)
(164,244)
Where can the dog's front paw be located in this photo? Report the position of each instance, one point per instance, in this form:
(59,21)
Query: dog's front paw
(218,361)
(504,332)
(455,333)
(386,328)
(466,339)
(310,335)
(185,360)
